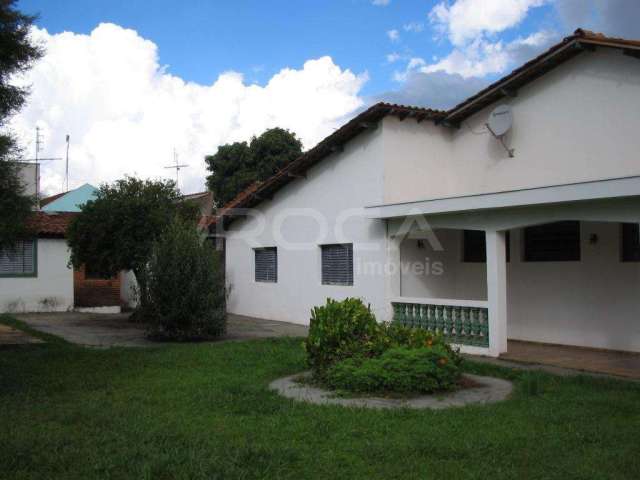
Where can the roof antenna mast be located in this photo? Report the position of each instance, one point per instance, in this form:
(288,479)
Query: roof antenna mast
(66,168)
(177,167)
(37,161)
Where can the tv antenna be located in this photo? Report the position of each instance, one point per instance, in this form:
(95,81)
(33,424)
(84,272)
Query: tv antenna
(39,159)
(66,167)
(177,167)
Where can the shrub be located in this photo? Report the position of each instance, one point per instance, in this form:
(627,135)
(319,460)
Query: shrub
(403,370)
(185,286)
(340,330)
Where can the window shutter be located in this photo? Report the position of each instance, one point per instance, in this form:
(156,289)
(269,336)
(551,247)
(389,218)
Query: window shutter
(19,260)
(337,264)
(553,242)
(266,264)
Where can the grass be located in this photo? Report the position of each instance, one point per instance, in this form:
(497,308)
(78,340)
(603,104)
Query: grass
(204,411)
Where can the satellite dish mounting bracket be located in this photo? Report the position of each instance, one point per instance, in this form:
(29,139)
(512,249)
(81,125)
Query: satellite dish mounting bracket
(500,138)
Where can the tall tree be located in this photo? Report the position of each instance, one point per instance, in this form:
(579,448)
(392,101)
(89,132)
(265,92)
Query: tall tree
(117,230)
(236,166)
(17,54)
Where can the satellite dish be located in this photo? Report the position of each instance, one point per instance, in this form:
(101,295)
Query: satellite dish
(500,120)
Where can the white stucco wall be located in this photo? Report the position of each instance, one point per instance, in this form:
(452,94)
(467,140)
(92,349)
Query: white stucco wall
(593,303)
(347,180)
(51,290)
(30,177)
(576,123)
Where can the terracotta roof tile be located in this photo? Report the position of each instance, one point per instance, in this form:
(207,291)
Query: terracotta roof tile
(45,224)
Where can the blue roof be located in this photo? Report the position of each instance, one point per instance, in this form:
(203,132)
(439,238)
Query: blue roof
(72,200)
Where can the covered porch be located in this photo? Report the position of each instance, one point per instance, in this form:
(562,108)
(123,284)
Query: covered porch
(550,266)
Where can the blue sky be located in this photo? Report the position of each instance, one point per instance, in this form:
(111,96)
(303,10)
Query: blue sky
(198,40)
(130,81)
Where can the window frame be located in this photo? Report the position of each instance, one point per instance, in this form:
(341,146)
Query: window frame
(350,281)
(527,255)
(255,264)
(34,274)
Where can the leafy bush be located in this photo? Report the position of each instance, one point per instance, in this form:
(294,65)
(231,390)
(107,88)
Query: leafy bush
(403,370)
(347,349)
(186,293)
(340,330)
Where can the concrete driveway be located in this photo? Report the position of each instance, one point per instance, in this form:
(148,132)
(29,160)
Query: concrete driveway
(115,330)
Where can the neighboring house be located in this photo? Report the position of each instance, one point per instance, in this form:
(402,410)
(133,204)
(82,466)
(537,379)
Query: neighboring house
(90,289)
(35,274)
(70,201)
(424,215)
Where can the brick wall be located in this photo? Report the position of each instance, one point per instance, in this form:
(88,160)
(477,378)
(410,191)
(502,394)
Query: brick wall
(95,292)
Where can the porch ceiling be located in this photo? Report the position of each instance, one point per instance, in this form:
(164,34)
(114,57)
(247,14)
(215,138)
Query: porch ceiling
(557,194)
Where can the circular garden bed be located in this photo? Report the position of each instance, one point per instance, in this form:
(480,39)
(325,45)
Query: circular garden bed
(474,389)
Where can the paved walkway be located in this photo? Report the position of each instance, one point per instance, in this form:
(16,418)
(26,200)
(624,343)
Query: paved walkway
(622,364)
(566,360)
(110,330)
(12,336)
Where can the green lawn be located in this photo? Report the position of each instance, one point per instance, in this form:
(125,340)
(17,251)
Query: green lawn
(204,411)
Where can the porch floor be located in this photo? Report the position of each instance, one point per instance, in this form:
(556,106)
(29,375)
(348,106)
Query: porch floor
(586,359)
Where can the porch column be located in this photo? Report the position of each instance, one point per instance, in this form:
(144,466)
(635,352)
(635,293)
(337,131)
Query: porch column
(392,271)
(497,291)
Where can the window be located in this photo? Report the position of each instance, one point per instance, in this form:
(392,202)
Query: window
(19,260)
(337,264)
(630,242)
(553,242)
(475,246)
(266,264)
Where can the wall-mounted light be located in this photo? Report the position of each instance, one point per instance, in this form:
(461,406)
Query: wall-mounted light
(420,244)
(593,238)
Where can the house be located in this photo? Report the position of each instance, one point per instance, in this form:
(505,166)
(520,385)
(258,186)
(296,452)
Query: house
(36,274)
(434,221)
(91,290)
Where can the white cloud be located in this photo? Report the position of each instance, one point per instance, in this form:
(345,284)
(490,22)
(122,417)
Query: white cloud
(125,113)
(465,20)
(381,3)
(393,35)
(393,57)
(415,27)
(482,57)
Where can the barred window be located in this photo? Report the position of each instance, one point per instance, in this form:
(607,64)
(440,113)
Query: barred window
(337,264)
(20,260)
(630,242)
(553,242)
(474,246)
(266,264)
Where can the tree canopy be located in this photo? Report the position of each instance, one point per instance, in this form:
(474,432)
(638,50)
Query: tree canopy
(17,54)
(117,230)
(237,165)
